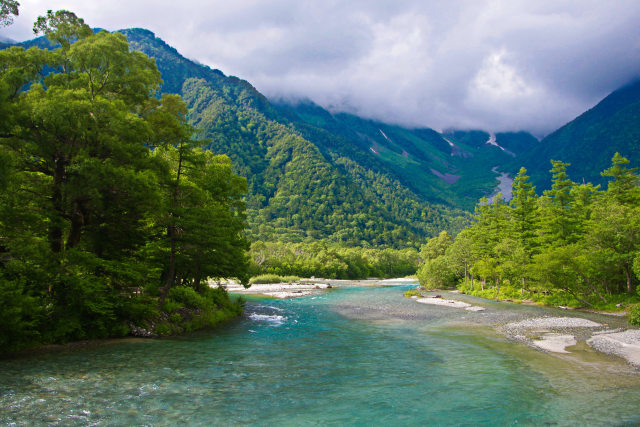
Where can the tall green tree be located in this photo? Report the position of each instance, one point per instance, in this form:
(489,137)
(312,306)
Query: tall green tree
(624,184)
(85,206)
(557,222)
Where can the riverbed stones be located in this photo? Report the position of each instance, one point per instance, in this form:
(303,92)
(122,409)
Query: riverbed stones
(555,342)
(278,290)
(625,344)
(438,300)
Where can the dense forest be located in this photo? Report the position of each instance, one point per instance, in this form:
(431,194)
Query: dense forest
(575,245)
(111,215)
(324,260)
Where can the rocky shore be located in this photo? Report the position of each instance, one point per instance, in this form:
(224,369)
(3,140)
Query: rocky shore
(438,300)
(625,344)
(556,334)
(276,290)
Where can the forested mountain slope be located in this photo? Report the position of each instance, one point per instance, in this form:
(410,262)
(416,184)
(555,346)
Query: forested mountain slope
(338,177)
(298,190)
(453,168)
(590,141)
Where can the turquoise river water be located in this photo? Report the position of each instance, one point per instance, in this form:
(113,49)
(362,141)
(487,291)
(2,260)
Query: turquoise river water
(352,356)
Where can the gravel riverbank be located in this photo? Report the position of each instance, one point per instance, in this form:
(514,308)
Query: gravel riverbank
(549,333)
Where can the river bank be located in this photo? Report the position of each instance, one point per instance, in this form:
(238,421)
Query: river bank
(555,332)
(302,287)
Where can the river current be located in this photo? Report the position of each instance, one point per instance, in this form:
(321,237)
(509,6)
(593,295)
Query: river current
(352,356)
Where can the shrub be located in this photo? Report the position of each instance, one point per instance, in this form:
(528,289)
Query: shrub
(265,278)
(436,274)
(139,309)
(189,297)
(634,315)
(413,293)
(171,306)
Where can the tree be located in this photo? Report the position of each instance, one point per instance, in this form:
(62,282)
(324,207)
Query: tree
(624,186)
(524,209)
(463,253)
(436,246)
(557,222)
(436,273)
(82,196)
(62,27)
(8,10)
(615,230)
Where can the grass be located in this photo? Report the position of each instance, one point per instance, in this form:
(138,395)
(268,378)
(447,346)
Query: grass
(272,278)
(552,298)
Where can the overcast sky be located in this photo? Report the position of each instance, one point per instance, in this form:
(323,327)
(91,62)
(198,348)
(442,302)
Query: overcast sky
(493,65)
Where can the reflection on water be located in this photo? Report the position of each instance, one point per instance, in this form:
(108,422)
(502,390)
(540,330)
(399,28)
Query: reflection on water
(364,356)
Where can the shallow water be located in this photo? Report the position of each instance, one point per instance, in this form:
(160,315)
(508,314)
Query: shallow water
(352,356)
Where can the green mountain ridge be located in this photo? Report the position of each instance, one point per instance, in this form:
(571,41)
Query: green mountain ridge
(298,190)
(453,168)
(590,140)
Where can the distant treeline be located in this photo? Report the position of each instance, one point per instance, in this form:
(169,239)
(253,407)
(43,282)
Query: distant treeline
(576,244)
(323,260)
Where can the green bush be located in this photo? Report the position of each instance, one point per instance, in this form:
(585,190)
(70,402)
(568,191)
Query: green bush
(189,297)
(412,293)
(265,278)
(634,315)
(436,273)
(139,309)
(290,279)
(218,296)
(171,306)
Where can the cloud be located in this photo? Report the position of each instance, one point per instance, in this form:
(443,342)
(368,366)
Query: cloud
(491,64)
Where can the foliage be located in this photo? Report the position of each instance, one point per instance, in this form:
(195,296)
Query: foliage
(8,10)
(576,245)
(335,262)
(273,278)
(105,201)
(412,293)
(265,278)
(634,315)
(436,274)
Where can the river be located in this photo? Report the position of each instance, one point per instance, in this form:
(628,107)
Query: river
(352,356)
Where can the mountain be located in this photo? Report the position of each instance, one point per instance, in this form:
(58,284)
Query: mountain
(337,177)
(590,141)
(299,189)
(454,168)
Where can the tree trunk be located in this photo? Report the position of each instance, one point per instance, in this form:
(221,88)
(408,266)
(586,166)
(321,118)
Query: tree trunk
(465,274)
(197,278)
(77,222)
(171,275)
(627,272)
(577,297)
(56,241)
